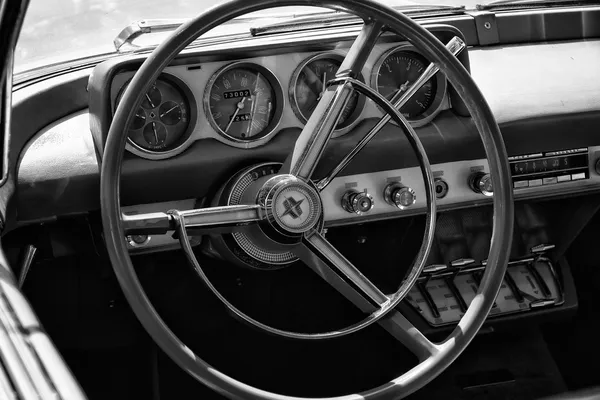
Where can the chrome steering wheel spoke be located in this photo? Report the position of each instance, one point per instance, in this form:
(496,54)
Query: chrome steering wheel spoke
(213,219)
(320,126)
(318,254)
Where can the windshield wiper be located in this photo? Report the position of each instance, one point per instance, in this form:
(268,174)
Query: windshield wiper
(338,19)
(136,29)
(512,4)
(139,28)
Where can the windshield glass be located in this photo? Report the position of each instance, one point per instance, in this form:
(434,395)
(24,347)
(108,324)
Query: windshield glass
(59,30)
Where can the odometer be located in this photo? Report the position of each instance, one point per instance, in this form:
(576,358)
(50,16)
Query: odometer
(243,101)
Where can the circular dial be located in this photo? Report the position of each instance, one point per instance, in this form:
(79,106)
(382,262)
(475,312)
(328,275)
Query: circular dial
(243,102)
(398,71)
(308,85)
(162,122)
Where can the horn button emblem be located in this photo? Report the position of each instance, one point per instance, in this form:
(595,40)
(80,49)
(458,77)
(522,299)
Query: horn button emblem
(296,207)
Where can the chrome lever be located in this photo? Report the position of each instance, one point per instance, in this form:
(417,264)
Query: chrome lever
(26,262)
(462,262)
(430,269)
(541,248)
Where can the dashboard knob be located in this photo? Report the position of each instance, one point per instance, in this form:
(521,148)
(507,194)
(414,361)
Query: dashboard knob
(481,182)
(357,202)
(399,195)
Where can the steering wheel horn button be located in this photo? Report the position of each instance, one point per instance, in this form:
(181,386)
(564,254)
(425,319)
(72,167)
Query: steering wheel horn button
(294,206)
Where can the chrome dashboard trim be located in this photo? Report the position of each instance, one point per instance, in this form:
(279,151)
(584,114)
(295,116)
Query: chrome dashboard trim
(195,67)
(441,85)
(460,195)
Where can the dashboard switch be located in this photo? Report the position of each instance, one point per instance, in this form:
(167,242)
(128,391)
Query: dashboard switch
(399,195)
(481,182)
(138,240)
(357,202)
(441,188)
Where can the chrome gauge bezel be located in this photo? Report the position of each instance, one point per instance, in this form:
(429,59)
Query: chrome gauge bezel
(187,138)
(279,106)
(360,105)
(441,86)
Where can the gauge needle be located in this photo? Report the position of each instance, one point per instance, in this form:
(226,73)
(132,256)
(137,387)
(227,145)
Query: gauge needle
(254,104)
(155,133)
(239,106)
(150,101)
(404,86)
(323,86)
(168,111)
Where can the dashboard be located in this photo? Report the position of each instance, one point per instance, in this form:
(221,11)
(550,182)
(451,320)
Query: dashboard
(244,103)
(178,132)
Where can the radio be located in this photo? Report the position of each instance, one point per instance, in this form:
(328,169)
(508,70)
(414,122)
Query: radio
(549,168)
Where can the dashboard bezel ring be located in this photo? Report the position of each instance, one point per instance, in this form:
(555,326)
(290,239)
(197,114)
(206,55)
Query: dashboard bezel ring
(441,85)
(279,106)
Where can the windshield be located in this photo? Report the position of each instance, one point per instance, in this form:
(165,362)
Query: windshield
(59,30)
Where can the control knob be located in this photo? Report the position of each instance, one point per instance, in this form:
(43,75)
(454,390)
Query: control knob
(399,195)
(357,202)
(481,182)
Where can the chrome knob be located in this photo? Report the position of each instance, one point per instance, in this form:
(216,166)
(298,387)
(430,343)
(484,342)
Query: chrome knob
(481,182)
(357,202)
(400,196)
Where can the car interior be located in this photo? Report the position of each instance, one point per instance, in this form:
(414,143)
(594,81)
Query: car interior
(291,199)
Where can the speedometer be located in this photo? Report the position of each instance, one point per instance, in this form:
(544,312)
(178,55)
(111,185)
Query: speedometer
(397,70)
(243,102)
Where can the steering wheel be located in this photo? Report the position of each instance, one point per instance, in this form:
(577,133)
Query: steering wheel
(267,216)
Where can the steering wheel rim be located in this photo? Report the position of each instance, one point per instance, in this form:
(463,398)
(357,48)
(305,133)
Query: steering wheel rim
(441,355)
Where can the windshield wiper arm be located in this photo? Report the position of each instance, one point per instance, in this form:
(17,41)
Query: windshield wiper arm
(138,28)
(338,18)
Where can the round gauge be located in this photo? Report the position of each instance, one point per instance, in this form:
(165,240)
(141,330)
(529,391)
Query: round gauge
(309,83)
(163,122)
(397,70)
(243,102)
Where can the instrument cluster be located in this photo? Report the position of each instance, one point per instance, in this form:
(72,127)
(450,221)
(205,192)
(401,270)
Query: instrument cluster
(244,103)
